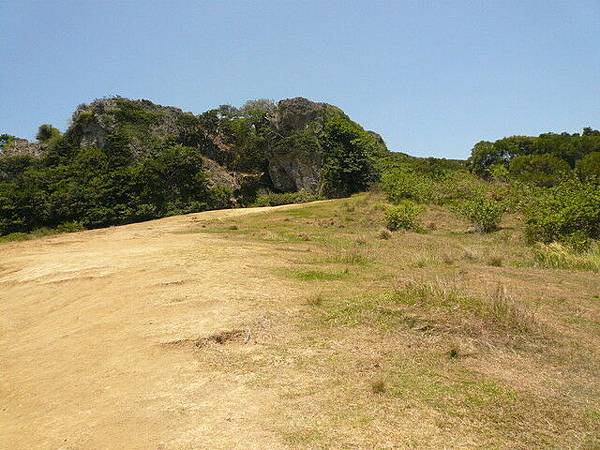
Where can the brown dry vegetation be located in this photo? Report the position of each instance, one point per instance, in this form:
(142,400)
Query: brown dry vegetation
(296,327)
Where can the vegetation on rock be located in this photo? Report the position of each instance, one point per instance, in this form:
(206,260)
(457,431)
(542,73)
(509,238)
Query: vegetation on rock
(123,161)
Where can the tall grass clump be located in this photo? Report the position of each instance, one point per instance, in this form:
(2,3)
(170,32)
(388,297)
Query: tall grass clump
(497,312)
(559,256)
(445,308)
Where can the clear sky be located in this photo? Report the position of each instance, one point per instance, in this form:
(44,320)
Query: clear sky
(432,77)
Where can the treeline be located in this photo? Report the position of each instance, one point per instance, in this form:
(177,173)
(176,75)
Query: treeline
(122,161)
(543,160)
(551,181)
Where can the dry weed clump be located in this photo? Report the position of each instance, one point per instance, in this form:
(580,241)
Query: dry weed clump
(454,309)
(384,234)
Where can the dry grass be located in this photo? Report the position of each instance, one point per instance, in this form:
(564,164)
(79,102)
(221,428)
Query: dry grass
(427,340)
(441,325)
(558,256)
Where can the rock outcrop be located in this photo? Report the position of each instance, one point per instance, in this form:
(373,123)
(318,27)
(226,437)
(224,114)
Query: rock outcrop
(22,147)
(294,165)
(289,151)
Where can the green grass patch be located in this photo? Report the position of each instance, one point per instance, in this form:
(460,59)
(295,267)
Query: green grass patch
(349,258)
(39,233)
(320,275)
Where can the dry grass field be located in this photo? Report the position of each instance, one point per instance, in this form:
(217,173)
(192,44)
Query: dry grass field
(302,326)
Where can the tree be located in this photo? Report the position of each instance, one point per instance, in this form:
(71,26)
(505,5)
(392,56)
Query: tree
(348,153)
(47,132)
(588,167)
(541,170)
(588,131)
(484,155)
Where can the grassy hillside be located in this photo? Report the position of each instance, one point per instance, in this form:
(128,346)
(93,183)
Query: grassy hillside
(420,339)
(309,326)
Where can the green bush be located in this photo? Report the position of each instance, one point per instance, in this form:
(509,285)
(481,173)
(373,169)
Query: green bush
(484,214)
(541,170)
(458,186)
(588,167)
(569,211)
(285,198)
(402,184)
(423,185)
(403,216)
(70,227)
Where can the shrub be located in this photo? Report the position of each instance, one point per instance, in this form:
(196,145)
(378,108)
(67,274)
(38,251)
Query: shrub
(542,170)
(403,216)
(588,167)
(70,227)
(458,186)
(275,199)
(47,132)
(484,214)
(568,212)
(499,172)
(403,184)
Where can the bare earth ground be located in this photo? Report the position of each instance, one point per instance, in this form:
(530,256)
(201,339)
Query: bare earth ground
(293,327)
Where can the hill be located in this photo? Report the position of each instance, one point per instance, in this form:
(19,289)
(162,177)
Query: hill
(123,161)
(303,326)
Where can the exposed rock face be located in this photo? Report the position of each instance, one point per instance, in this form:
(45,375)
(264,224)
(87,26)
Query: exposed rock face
(218,176)
(146,124)
(295,170)
(101,118)
(295,114)
(291,166)
(22,147)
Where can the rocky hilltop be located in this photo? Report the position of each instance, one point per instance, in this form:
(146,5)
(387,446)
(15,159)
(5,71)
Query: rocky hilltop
(123,160)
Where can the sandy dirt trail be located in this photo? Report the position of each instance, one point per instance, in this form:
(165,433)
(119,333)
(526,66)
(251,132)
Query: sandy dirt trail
(99,330)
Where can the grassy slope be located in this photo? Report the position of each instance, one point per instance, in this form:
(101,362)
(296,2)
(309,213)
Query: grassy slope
(440,338)
(430,340)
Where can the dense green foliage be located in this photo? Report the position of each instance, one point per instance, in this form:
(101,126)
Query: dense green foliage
(349,155)
(93,190)
(569,148)
(568,212)
(552,182)
(438,181)
(403,216)
(123,160)
(542,170)
(588,167)
(47,133)
(268,198)
(484,213)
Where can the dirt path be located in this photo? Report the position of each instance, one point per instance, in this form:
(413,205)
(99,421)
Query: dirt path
(99,331)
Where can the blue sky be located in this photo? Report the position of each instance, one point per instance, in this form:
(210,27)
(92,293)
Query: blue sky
(432,77)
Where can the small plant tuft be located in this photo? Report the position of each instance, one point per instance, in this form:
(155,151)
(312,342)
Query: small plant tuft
(378,386)
(495,261)
(384,234)
(454,352)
